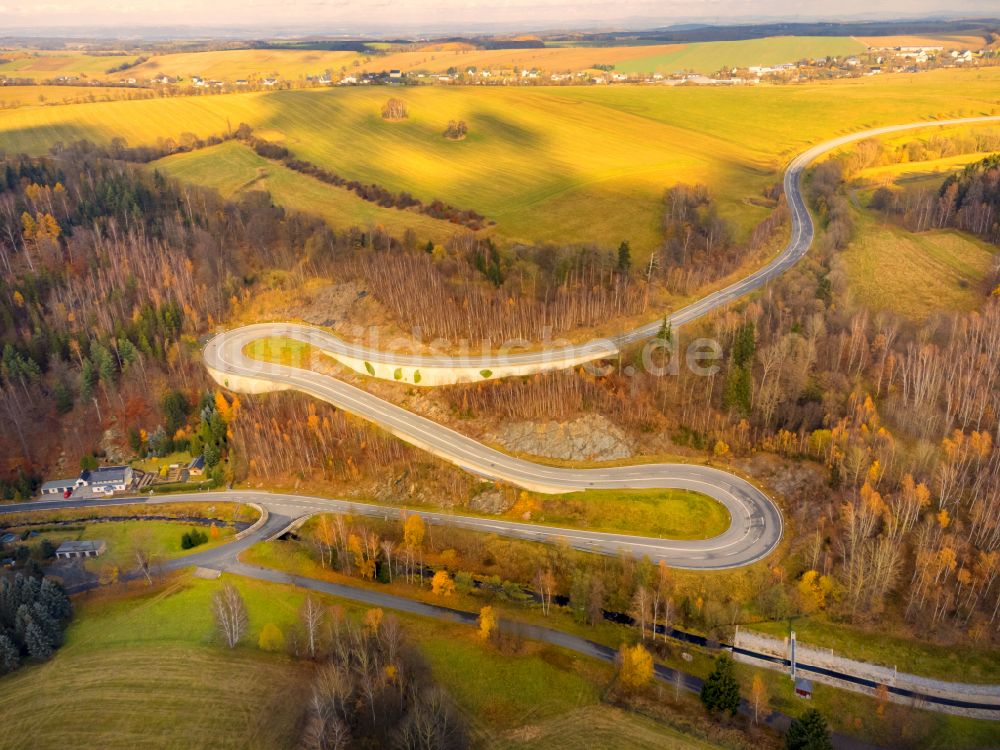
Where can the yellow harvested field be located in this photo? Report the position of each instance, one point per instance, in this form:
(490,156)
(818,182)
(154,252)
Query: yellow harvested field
(438,58)
(567,164)
(249,64)
(34,96)
(43,65)
(948,41)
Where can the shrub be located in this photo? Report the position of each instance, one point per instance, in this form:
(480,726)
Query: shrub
(271,638)
(442,584)
(193,538)
(635,667)
(395,109)
(456,130)
(463,582)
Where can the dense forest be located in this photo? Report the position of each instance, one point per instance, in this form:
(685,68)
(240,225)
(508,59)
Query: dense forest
(109,276)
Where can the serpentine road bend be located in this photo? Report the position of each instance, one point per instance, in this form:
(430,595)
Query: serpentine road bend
(756,526)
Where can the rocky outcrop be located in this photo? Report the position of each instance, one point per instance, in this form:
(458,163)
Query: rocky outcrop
(493,501)
(589,438)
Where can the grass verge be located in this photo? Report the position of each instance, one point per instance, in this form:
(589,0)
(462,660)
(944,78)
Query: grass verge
(671,514)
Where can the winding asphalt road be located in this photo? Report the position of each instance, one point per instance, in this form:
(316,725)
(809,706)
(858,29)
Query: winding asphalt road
(285,511)
(756,526)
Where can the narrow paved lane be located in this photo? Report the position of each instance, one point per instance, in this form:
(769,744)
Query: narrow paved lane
(583,646)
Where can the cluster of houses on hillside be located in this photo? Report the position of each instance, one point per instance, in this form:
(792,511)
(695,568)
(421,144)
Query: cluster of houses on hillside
(872,61)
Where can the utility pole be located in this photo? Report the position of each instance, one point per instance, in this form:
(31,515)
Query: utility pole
(792,654)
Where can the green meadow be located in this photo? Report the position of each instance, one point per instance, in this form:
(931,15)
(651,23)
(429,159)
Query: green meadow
(916,274)
(145,667)
(161,538)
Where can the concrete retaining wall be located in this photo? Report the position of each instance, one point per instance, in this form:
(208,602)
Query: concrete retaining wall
(889,676)
(243,384)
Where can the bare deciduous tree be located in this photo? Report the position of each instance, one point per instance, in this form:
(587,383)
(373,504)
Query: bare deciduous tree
(230,612)
(312,616)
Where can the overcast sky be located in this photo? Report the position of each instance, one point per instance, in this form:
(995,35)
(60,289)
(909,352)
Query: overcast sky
(323,15)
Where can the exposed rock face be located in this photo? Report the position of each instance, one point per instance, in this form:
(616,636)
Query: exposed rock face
(589,438)
(111,446)
(490,501)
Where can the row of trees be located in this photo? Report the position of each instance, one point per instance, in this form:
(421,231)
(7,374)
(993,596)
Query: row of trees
(454,561)
(720,695)
(873,152)
(530,293)
(371,192)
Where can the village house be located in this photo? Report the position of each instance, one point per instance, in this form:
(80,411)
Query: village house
(803,688)
(107,479)
(395,74)
(197,466)
(58,487)
(73,550)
